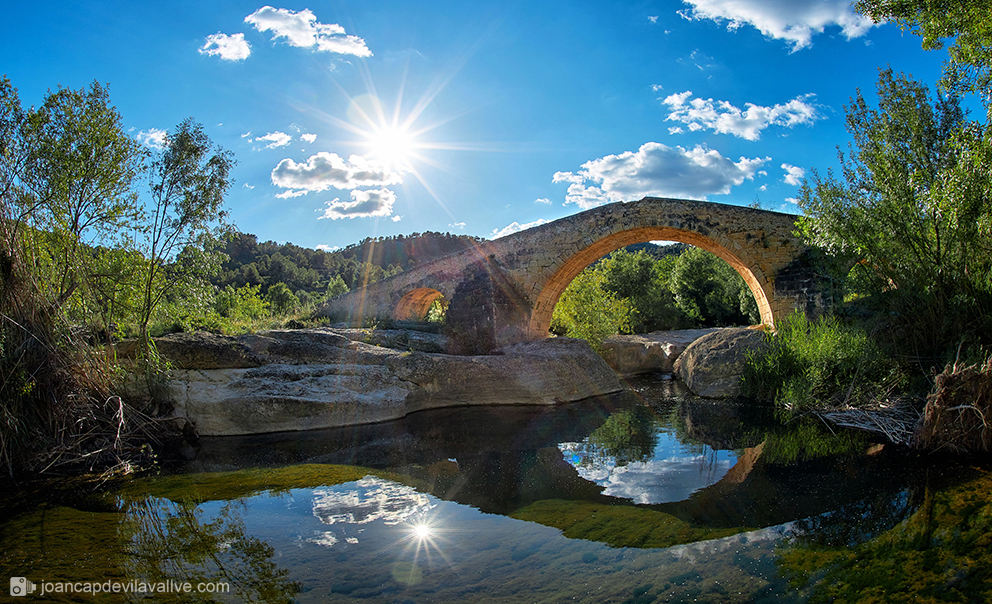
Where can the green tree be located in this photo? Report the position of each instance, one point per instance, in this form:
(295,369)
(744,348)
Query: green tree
(281,299)
(189,179)
(710,292)
(587,310)
(78,185)
(643,281)
(915,202)
(243,303)
(336,286)
(967,22)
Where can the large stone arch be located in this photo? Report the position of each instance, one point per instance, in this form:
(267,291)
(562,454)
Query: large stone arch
(413,305)
(573,265)
(504,291)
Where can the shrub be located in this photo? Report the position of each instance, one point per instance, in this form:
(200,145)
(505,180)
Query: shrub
(823,363)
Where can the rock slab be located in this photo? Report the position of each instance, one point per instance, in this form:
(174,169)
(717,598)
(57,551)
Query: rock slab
(648,353)
(713,365)
(284,380)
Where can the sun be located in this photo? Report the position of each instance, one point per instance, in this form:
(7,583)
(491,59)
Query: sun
(393,146)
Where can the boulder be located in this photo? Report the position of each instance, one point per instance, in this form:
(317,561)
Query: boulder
(712,366)
(648,353)
(285,380)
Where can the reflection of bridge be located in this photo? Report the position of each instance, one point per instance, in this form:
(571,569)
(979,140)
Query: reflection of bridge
(504,291)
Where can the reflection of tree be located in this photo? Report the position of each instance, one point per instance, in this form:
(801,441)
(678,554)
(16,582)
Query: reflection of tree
(809,438)
(942,552)
(164,540)
(626,436)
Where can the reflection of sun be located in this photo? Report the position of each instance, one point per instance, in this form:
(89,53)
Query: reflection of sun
(423,531)
(423,539)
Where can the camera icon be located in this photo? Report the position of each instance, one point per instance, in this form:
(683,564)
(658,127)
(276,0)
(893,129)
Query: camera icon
(20,586)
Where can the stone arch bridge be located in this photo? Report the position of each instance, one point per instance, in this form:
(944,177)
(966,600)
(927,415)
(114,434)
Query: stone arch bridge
(504,291)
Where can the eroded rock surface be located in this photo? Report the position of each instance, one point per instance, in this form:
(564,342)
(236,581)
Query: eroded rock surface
(284,380)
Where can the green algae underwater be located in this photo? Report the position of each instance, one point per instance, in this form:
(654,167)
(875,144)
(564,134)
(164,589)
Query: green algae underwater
(534,512)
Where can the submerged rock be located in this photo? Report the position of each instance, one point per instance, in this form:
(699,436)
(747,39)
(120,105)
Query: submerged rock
(648,353)
(712,366)
(285,380)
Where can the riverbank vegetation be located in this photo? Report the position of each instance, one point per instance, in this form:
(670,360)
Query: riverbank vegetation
(911,212)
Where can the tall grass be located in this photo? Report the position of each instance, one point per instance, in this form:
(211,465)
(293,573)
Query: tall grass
(819,364)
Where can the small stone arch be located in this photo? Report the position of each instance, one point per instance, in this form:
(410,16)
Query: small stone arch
(413,306)
(575,264)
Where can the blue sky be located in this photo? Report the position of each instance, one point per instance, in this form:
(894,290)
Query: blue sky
(357,119)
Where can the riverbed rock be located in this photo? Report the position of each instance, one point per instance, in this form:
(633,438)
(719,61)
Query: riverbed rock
(648,353)
(284,380)
(402,339)
(712,366)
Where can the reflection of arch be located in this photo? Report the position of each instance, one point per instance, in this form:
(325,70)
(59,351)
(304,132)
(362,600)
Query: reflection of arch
(541,318)
(413,306)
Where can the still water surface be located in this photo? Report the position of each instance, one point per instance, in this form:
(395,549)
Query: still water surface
(642,497)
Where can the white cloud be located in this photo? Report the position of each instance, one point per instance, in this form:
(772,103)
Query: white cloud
(275,139)
(325,170)
(656,170)
(248,186)
(543,200)
(291,193)
(229,48)
(396,218)
(724,118)
(456,225)
(303,30)
(327,248)
(516,227)
(675,130)
(653,19)
(567,177)
(364,204)
(310,138)
(153,137)
(793,174)
(794,21)
(246,134)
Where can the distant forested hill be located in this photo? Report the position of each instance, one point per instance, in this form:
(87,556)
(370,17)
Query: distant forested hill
(265,264)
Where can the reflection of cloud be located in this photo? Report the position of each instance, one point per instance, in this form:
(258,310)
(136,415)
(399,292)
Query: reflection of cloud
(672,474)
(372,499)
(705,550)
(327,539)
(660,481)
